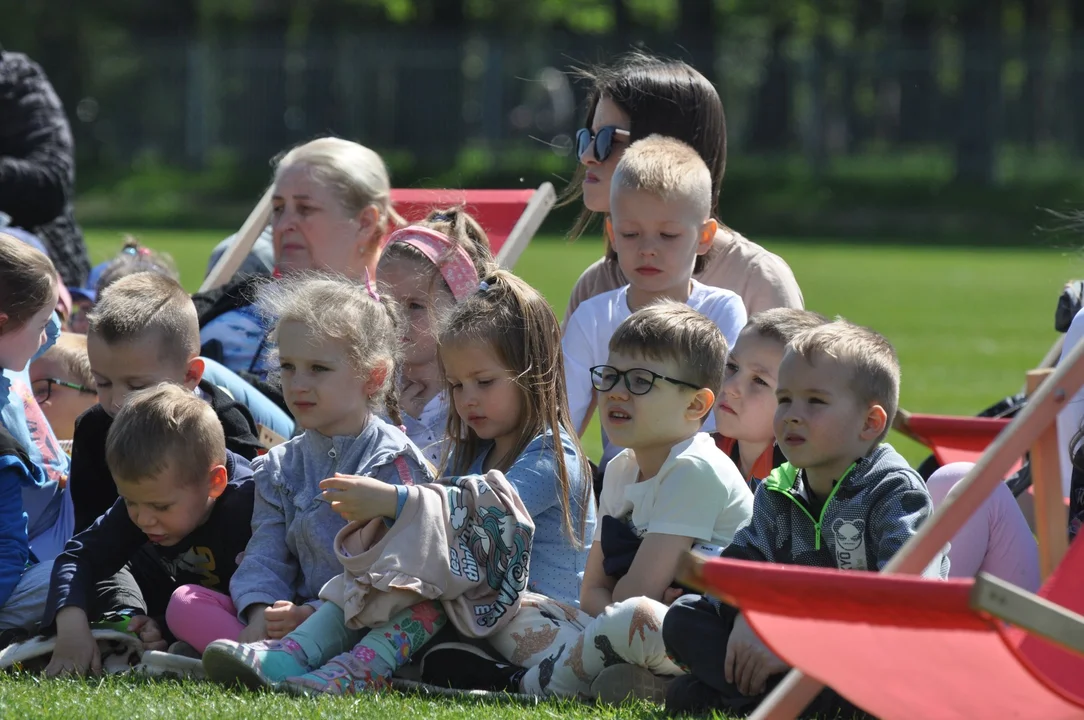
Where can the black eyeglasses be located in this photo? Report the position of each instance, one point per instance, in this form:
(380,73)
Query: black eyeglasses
(43,389)
(604,140)
(639,381)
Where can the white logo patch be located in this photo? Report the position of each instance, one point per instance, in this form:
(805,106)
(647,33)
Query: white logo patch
(850,544)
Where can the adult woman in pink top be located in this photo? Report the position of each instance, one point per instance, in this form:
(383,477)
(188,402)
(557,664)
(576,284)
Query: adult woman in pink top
(641,96)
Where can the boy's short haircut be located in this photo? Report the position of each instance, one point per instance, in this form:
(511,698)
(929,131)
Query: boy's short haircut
(148,302)
(70,352)
(864,354)
(165,426)
(669,331)
(783,324)
(666,168)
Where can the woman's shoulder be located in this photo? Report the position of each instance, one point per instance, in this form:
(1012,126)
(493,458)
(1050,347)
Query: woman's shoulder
(601,276)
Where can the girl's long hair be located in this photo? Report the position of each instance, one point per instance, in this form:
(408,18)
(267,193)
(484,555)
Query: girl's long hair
(516,322)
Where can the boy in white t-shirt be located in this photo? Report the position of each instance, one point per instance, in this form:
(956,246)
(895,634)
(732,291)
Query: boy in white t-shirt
(660,222)
(671,490)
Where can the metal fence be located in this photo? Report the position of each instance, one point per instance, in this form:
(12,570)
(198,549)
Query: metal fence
(425,97)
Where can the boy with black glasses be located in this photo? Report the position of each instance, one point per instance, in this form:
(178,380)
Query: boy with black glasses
(671,490)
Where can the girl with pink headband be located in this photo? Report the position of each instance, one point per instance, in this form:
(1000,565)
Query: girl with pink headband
(428,267)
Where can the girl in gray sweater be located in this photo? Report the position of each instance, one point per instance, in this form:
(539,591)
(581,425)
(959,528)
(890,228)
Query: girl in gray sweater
(337,347)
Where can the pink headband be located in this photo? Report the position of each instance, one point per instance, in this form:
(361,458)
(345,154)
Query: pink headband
(455,267)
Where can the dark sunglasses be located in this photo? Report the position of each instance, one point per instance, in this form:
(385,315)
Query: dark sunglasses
(43,389)
(604,140)
(639,381)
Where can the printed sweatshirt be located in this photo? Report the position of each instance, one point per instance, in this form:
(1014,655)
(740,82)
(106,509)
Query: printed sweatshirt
(871,512)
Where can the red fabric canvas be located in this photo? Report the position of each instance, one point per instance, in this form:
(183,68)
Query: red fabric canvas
(495,210)
(905,647)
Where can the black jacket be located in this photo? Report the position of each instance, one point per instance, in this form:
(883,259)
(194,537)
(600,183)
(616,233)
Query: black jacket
(91,483)
(37,164)
(207,556)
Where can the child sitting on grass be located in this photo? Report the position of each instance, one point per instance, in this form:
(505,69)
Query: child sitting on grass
(64,384)
(845,499)
(143,332)
(671,489)
(745,409)
(180,491)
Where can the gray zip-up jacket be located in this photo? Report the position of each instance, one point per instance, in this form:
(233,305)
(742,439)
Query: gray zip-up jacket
(291,554)
(870,513)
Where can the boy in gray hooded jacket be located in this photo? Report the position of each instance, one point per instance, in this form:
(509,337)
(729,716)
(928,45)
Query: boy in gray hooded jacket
(844,500)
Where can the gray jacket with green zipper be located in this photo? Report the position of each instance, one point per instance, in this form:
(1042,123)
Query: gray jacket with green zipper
(877,506)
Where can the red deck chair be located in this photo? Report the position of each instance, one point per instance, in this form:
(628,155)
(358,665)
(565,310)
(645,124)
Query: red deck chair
(954,439)
(903,647)
(862,605)
(510,218)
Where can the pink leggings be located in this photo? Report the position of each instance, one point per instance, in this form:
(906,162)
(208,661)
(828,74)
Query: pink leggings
(200,616)
(996,539)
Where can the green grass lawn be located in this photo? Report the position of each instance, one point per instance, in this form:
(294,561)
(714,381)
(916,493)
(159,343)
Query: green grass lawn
(967,325)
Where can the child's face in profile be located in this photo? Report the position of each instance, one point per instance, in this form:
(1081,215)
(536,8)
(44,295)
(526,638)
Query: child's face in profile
(61,404)
(656,240)
(168,506)
(18,345)
(745,409)
(819,420)
(122,368)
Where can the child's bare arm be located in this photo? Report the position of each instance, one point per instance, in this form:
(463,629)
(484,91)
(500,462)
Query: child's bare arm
(596,592)
(653,568)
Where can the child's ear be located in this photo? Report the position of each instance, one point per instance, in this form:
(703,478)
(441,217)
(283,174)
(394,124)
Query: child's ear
(610,232)
(3,322)
(875,422)
(219,477)
(707,236)
(376,379)
(703,400)
(194,372)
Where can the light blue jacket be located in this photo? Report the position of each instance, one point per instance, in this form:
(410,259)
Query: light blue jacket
(46,501)
(291,553)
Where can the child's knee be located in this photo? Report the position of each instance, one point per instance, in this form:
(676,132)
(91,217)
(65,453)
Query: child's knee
(183,600)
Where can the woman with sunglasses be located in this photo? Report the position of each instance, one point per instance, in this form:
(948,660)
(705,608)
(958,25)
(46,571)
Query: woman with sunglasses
(641,96)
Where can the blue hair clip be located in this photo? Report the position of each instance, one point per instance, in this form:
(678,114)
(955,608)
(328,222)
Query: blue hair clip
(483,287)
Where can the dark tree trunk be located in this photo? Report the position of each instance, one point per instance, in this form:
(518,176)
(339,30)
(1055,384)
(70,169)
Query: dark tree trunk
(1075,101)
(771,125)
(857,125)
(919,94)
(697,32)
(976,131)
(1035,120)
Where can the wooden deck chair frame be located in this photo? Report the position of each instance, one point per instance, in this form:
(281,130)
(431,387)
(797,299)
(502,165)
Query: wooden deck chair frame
(1032,429)
(538,207)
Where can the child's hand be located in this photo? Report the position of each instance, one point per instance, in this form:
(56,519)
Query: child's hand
(670,594)
(283,617)
(359,498)
(148,631)
(76,650)
(256,629)
(749,663)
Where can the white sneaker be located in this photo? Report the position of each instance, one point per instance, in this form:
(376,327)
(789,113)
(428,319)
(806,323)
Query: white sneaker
(169,665)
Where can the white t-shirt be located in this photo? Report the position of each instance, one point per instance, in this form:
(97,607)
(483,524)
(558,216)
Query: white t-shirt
(427,431)
(698,493)
(587,336)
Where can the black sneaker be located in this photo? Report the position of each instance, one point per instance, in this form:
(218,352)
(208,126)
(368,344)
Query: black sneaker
(466,667)
(688,695)
(11,636)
